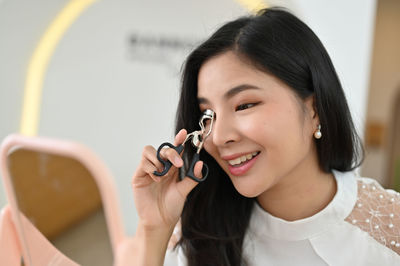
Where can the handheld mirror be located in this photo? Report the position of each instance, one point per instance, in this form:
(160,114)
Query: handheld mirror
(66,193)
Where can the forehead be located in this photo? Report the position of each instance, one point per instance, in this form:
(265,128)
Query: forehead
(227,72)
(224,71)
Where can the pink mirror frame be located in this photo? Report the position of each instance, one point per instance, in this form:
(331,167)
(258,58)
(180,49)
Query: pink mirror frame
(95,166)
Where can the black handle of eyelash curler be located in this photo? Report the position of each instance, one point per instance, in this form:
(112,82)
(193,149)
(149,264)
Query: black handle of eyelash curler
(167,164)
(190,172)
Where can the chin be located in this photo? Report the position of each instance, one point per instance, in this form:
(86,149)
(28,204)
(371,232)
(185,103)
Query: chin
(252,186)
(248,189)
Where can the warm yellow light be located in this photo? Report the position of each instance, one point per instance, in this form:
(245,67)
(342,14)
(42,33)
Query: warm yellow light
(253,5)
(39,61)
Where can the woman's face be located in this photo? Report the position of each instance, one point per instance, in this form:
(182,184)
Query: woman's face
(262,133)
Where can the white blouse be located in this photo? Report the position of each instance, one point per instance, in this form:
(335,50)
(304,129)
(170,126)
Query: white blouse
(360,226)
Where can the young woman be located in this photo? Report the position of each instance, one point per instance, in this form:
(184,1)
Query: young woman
(280,189)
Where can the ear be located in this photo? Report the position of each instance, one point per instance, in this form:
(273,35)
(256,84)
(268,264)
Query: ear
(311,109)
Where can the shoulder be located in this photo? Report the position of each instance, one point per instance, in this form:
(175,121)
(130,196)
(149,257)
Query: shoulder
(377,212)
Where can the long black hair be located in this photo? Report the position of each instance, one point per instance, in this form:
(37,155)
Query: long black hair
(215,216)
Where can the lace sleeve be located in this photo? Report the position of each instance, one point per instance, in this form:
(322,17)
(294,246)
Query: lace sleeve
(377,212)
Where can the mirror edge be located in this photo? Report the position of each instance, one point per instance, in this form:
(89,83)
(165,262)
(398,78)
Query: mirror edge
(84,155)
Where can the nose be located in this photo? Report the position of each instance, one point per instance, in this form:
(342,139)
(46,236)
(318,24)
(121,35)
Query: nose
(223,130)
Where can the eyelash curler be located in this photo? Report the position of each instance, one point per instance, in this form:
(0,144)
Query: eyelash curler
(197,138)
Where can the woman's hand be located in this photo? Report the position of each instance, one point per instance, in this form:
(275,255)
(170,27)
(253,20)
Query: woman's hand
(159,200)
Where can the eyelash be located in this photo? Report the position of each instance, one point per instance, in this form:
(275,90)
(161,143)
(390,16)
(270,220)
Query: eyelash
(241,107)
(245,106)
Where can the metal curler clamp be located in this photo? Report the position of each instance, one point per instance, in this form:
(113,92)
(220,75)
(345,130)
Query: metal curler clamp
(197,138)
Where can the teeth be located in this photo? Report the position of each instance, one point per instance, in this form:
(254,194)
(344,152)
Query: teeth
(242,159)
(236,161)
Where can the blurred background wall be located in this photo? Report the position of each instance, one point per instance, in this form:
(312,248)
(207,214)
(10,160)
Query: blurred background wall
(383,125)
(112,81)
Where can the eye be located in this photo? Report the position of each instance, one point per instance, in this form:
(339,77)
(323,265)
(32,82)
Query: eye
(245,106)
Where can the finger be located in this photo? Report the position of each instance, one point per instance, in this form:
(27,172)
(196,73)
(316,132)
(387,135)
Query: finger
(150,153)
(180,137)
(148,159)
(172,156)
(187,184)
(149,169)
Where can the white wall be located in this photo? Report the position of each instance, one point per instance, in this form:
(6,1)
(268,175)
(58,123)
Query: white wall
(96,93)
(21,25)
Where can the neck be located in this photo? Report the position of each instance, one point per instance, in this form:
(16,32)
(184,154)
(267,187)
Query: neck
(301,193)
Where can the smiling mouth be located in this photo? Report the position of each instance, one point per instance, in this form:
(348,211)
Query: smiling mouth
(243,159)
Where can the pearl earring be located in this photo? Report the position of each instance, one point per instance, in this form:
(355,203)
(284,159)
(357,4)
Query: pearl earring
(318,134)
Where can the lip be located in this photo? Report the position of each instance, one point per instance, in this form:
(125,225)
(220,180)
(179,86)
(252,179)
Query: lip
(242,169)
(236,155)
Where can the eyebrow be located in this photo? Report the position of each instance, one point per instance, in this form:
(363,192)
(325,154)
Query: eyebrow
(232,92)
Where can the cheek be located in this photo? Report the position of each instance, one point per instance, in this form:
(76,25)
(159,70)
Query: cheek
(283,122)
(280,131)
(209,147)
(261,128)
(289,139)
